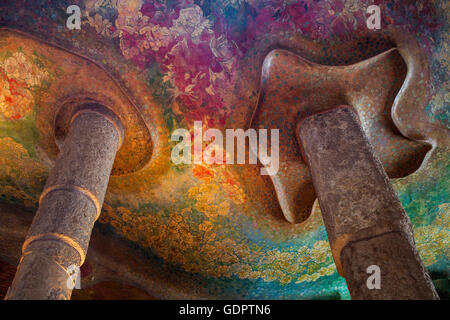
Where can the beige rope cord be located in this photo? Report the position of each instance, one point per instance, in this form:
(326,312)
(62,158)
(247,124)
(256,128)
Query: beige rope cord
(105,116)
(55,236)
(82,190)
(24,254)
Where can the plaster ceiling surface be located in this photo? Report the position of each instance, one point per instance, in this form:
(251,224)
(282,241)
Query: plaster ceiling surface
(222,231)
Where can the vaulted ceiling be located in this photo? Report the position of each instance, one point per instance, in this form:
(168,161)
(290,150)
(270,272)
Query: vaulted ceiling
(183,231)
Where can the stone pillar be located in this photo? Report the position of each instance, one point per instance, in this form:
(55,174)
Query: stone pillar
(69,206)
(365,221)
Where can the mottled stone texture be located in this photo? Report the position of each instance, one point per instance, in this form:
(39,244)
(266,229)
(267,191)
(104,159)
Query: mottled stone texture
(68,212)
(403,275)
(365,221)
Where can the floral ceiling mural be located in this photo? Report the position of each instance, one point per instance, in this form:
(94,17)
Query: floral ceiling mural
(181,61)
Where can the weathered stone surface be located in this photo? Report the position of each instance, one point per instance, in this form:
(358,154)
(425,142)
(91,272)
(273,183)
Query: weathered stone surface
(402,273)
(41,274)
(358,203)
(85,157)
(293,87)
(69,206)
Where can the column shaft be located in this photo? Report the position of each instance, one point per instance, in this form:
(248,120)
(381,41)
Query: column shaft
(68,208)
(365,221)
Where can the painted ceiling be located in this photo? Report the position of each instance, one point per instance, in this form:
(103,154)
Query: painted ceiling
(183,231)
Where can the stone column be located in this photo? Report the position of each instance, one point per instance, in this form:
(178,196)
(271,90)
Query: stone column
(365,221)
(69,206)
